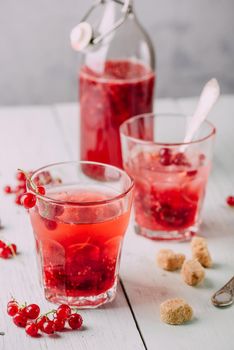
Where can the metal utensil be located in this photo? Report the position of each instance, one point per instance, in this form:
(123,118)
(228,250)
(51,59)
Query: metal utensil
(225,295)
(82,36)
(207,100)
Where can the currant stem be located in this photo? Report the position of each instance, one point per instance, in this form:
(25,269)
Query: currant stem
(48,313)
(12,250)
(75,309)
(28,179)
(53,311)
(21,306)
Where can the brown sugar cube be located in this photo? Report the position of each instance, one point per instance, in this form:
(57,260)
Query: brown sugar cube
(198,241)
(200,251)
(203,256)
(192,272)
(175,311)
(170,261)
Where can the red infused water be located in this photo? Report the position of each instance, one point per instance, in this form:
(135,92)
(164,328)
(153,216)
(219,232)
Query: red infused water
(169,190)
(79,247)
(121,90)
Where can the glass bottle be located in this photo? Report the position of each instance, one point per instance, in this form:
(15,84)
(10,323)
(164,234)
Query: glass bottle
(116,79)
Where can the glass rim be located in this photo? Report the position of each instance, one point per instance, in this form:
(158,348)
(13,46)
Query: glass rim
(165,115)
(77,203)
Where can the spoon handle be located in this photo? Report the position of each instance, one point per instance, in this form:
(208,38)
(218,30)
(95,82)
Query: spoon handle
(225,295)
(209,96)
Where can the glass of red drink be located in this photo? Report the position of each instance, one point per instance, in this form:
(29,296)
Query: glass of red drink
(79,227)
(170,175)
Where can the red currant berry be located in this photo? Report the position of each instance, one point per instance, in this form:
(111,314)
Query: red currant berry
(202,158)
(165,152)
(11,302)
(23,311)
(2,244)
(59,324)
(12,309)
(48,327)
(191,173)
(75,321)
(230,201)
(18,199)
(41,321)
(58,210)
(41,190)
(32,311)
(165,161)
(63,312)
(165,156)
(20,320)
(32,329)
(20,189)
(28,200)
(51,225)
(20,176)
(7,189)
(5,253)
(180,159)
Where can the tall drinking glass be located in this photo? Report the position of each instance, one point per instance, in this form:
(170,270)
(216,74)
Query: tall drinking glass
(170,175)
(79,227)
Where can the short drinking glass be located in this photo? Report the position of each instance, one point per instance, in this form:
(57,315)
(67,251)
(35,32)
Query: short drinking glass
(170,175)
(79,227)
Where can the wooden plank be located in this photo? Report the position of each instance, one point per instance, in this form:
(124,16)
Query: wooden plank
(147,286)
(29,138)
(69,126)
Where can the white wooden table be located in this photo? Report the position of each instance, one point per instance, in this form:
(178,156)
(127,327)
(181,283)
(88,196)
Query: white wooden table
(34,136)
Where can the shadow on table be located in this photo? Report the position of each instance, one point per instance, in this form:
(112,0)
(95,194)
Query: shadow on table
(149,292)
(213,227)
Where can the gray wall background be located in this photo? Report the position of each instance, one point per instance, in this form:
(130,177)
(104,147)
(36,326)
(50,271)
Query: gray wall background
(194,41)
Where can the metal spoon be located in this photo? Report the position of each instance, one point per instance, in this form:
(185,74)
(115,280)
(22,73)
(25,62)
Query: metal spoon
(207,100)
(225,295)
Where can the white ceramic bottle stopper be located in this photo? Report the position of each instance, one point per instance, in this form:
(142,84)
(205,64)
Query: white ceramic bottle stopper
(81,36)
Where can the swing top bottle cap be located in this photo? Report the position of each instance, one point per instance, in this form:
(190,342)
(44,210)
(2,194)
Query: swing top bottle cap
(81,36)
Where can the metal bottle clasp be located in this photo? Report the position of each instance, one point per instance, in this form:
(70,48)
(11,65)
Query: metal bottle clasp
(83,35)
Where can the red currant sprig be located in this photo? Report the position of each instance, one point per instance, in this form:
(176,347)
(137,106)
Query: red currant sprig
(27,199)
(19,189)
(27,316)
(7,251)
